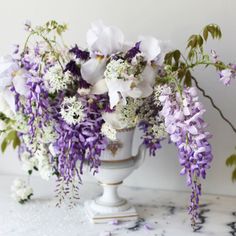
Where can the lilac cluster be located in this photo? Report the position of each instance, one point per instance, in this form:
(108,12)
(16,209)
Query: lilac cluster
(183,115)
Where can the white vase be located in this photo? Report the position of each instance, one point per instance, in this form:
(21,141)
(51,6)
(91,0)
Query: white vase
(117,163)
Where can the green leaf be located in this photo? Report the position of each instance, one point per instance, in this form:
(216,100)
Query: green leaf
(176,55)
(16,142)
(11,137)
(199,40)
(231,160)
(191,54)
(188,78)
(205,34)
(234,175)
(4,145)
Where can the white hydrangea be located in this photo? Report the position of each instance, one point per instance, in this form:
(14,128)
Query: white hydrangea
(128,113)
(21,192)
(159,131)
(29,143)
(43,163)
(28,162)
(72,110)
(116,69)
(56,80)
(108,131)
(49,134)
(20,123)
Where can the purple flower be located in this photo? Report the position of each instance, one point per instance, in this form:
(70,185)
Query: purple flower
(226,76)
(183,115)
(214,56)
(80,54)
(133,51)
(113,222)
(75,70)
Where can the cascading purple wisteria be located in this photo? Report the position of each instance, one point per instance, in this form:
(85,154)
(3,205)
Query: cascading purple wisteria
(183,115)
(81,142)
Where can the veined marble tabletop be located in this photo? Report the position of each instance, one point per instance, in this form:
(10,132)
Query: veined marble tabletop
(163,213)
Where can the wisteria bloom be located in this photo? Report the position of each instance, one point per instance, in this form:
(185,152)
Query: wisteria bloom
(183,117)
(226,76)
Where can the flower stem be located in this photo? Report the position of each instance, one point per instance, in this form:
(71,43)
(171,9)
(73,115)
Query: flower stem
(214,105)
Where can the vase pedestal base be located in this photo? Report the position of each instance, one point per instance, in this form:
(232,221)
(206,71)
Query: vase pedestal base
(102,214)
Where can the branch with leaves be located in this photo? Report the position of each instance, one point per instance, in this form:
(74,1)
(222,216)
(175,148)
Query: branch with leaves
(181,67)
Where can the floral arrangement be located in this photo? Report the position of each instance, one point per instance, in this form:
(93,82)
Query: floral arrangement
(62,105)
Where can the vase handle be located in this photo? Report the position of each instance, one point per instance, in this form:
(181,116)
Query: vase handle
(140,157)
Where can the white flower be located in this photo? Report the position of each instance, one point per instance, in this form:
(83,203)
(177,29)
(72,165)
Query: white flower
(113,118)
(49,134)
(150,48)
(43,165)
(83,91)
(28,162)
(21,192)
(72,110)
(10,74)
(21,122)
(159,131)
(128,113)
(105,40)
(31,145)
(56,80)
(124,116)
(92,71)
(108,131)
(3,125)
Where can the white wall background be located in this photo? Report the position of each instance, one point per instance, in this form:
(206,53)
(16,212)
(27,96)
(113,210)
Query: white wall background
(168,20)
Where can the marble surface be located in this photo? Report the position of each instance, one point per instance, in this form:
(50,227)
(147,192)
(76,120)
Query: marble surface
(162,213)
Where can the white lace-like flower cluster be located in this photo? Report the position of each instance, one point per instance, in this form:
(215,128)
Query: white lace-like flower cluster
(29,143)
(21,192)
(40,161)
(158,130)
(21,123)
(116,69)
(128,113)
(28,163)
(43,163)
(56,80)
(48,134)
(108,131)
(72,110)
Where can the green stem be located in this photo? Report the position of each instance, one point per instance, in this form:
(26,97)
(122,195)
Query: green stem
(52,49)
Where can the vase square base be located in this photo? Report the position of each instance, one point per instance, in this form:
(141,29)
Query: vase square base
(99,217)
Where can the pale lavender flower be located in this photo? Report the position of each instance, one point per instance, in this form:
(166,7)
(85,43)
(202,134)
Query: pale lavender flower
(114,222)
(183,115)
(148,226)
(214,56)
(226,76)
